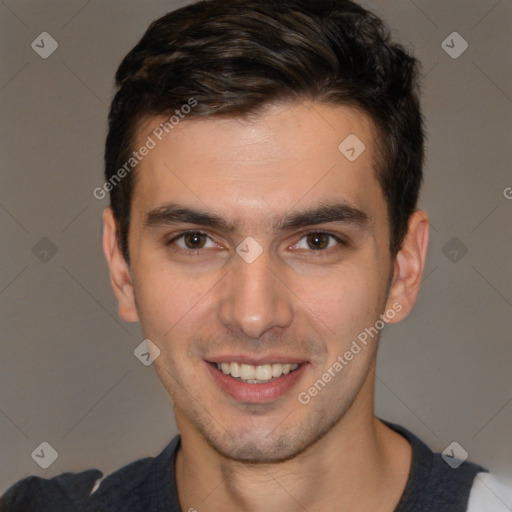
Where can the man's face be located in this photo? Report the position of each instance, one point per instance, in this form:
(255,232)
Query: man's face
(285,296)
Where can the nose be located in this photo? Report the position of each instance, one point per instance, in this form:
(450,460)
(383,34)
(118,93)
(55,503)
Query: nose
(255,298)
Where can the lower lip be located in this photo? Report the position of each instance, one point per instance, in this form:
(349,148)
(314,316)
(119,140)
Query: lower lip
(256,393)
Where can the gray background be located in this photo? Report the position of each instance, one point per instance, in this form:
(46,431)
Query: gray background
(68,373)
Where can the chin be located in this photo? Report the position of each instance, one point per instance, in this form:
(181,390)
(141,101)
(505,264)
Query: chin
(253,452)
(250,447)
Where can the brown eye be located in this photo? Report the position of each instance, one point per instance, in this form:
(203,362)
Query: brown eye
(194,240)
(318,241)
(191,242)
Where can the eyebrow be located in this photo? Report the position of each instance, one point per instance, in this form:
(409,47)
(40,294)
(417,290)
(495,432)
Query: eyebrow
(172,213)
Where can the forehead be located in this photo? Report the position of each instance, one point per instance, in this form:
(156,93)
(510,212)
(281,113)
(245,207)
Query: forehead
(292,155)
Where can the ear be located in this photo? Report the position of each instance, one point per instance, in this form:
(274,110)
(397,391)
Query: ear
(408,267)
(120,276)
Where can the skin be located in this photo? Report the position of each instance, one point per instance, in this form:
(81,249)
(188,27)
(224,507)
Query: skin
(331,454)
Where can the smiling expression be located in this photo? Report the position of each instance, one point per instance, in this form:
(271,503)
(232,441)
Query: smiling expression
(256,242)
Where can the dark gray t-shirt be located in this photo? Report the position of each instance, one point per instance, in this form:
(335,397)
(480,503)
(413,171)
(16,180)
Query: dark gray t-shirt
(149,485)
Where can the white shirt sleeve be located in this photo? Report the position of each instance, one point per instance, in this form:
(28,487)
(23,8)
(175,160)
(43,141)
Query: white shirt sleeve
(489,495)
(97,485)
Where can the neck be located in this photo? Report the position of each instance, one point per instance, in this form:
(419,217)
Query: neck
(359,465)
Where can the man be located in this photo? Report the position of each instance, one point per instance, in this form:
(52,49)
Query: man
(264,161)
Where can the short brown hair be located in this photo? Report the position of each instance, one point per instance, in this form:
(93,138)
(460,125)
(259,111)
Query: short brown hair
(235,56)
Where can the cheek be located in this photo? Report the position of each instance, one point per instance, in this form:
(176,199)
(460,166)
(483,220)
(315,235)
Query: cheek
(344,302)
(170,300)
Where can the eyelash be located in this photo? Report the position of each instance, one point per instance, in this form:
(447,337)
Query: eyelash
(319,252)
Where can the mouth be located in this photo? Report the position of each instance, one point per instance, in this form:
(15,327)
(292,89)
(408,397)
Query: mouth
(256,383)
(259,374)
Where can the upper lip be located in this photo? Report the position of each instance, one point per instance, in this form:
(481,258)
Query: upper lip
(256,361)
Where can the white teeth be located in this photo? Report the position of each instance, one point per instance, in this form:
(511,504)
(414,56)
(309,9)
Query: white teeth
(256,374)
(277,370)
(234,369)
(264,372)
(247,372)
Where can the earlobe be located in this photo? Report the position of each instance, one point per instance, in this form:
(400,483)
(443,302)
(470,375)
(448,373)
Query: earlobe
(120,276)
(409,265)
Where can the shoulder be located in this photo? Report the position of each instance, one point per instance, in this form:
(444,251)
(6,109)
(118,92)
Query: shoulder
(489,494)
(128,488)
(438,482)
(125,487)
(66,492)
